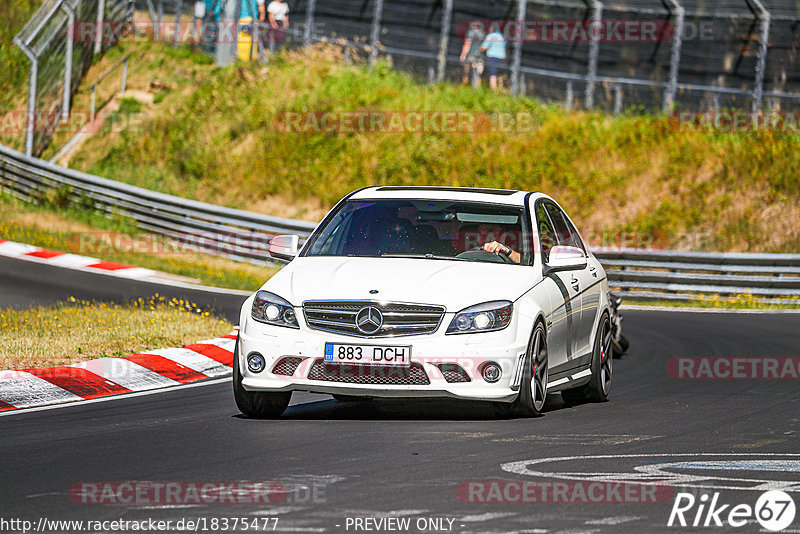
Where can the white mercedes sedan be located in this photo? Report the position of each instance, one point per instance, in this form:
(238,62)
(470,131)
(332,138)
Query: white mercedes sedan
(479,294)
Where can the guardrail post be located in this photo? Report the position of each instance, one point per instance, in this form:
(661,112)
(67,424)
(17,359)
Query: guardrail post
(124,76)
(570,96)
(375,33)
(617,100)
(98,35)
(679,14)
(516,61)
(228,33)
(176,30)
(444,37)
(30,120)
(65,104)
(594,51)
(151,11)
(761,64)
(94,100)
(308,31)
(160,24)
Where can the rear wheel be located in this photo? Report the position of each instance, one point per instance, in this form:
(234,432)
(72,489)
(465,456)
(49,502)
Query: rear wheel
(533,390)
(258,404)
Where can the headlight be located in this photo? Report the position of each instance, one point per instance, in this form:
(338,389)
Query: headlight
(485,317)
(271,309)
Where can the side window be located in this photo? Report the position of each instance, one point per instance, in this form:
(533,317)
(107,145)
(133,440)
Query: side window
(565,232)
(547,236)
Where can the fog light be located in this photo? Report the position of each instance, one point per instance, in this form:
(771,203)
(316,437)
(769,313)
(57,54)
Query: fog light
(256,363)
(491,372)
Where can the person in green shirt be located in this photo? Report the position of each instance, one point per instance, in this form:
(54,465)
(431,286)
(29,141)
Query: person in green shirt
(471,53)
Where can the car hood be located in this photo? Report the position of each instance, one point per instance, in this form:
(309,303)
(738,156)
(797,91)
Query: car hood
(453,284)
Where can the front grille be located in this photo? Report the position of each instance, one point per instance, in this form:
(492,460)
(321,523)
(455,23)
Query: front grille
(286,366)
(369,374)
(454,373)
(398,319)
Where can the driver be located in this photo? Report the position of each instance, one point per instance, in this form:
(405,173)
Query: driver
(498,248)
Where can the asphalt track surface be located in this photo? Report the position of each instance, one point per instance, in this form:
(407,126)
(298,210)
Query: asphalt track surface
(339,460)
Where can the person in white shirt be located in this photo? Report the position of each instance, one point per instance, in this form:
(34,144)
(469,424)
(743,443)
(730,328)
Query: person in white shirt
(278,13)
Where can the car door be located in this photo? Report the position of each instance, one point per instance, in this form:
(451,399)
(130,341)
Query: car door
(560,319)
(583,284)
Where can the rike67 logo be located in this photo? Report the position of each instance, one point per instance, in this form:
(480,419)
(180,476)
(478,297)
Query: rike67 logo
(774,510)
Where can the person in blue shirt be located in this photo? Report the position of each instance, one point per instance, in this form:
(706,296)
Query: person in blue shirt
(494,46)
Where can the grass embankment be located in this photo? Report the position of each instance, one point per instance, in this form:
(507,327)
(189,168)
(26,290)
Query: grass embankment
(14,14)
(70,229)
(219,140)
(76,331)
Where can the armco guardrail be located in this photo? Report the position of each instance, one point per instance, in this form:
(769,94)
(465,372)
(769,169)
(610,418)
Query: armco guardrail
(678,275)
(237,234)
(243,235)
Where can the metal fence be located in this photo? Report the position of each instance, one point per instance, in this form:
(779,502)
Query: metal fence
(705,54)
(59,59)
(244,236)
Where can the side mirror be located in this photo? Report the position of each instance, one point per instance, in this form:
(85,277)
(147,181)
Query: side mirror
(284,247)
(565,258)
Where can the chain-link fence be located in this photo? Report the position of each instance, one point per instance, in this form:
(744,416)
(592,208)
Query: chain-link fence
(59,58)
(650,55)
(613,54)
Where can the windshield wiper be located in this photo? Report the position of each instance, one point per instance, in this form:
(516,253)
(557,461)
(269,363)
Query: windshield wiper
(428,256)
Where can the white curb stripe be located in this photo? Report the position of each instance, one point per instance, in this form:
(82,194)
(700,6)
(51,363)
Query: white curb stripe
(227,344)
(192,360)
(135,272)
(126,373)
(10,248)
(72,260)
(21,389)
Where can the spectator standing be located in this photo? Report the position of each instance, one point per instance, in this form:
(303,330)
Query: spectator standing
(202,8)
(495,48)
(278,13)
(471,53)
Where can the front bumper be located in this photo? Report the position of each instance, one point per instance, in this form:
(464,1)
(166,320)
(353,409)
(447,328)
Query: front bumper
(431,354)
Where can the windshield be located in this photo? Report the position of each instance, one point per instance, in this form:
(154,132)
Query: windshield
(432,229)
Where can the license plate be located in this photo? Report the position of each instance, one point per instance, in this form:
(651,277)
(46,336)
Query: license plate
(388,356)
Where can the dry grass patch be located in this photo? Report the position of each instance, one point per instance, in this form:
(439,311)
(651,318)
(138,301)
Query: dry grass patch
(76,331)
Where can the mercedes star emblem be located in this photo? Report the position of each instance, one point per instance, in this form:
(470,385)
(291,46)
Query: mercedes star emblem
(369,320)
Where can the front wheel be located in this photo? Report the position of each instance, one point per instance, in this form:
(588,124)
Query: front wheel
(261,405)
(533,390)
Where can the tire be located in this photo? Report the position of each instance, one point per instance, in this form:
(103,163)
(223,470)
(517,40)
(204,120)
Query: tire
(619,347)
(533,390)
(599,385)
(260,405)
